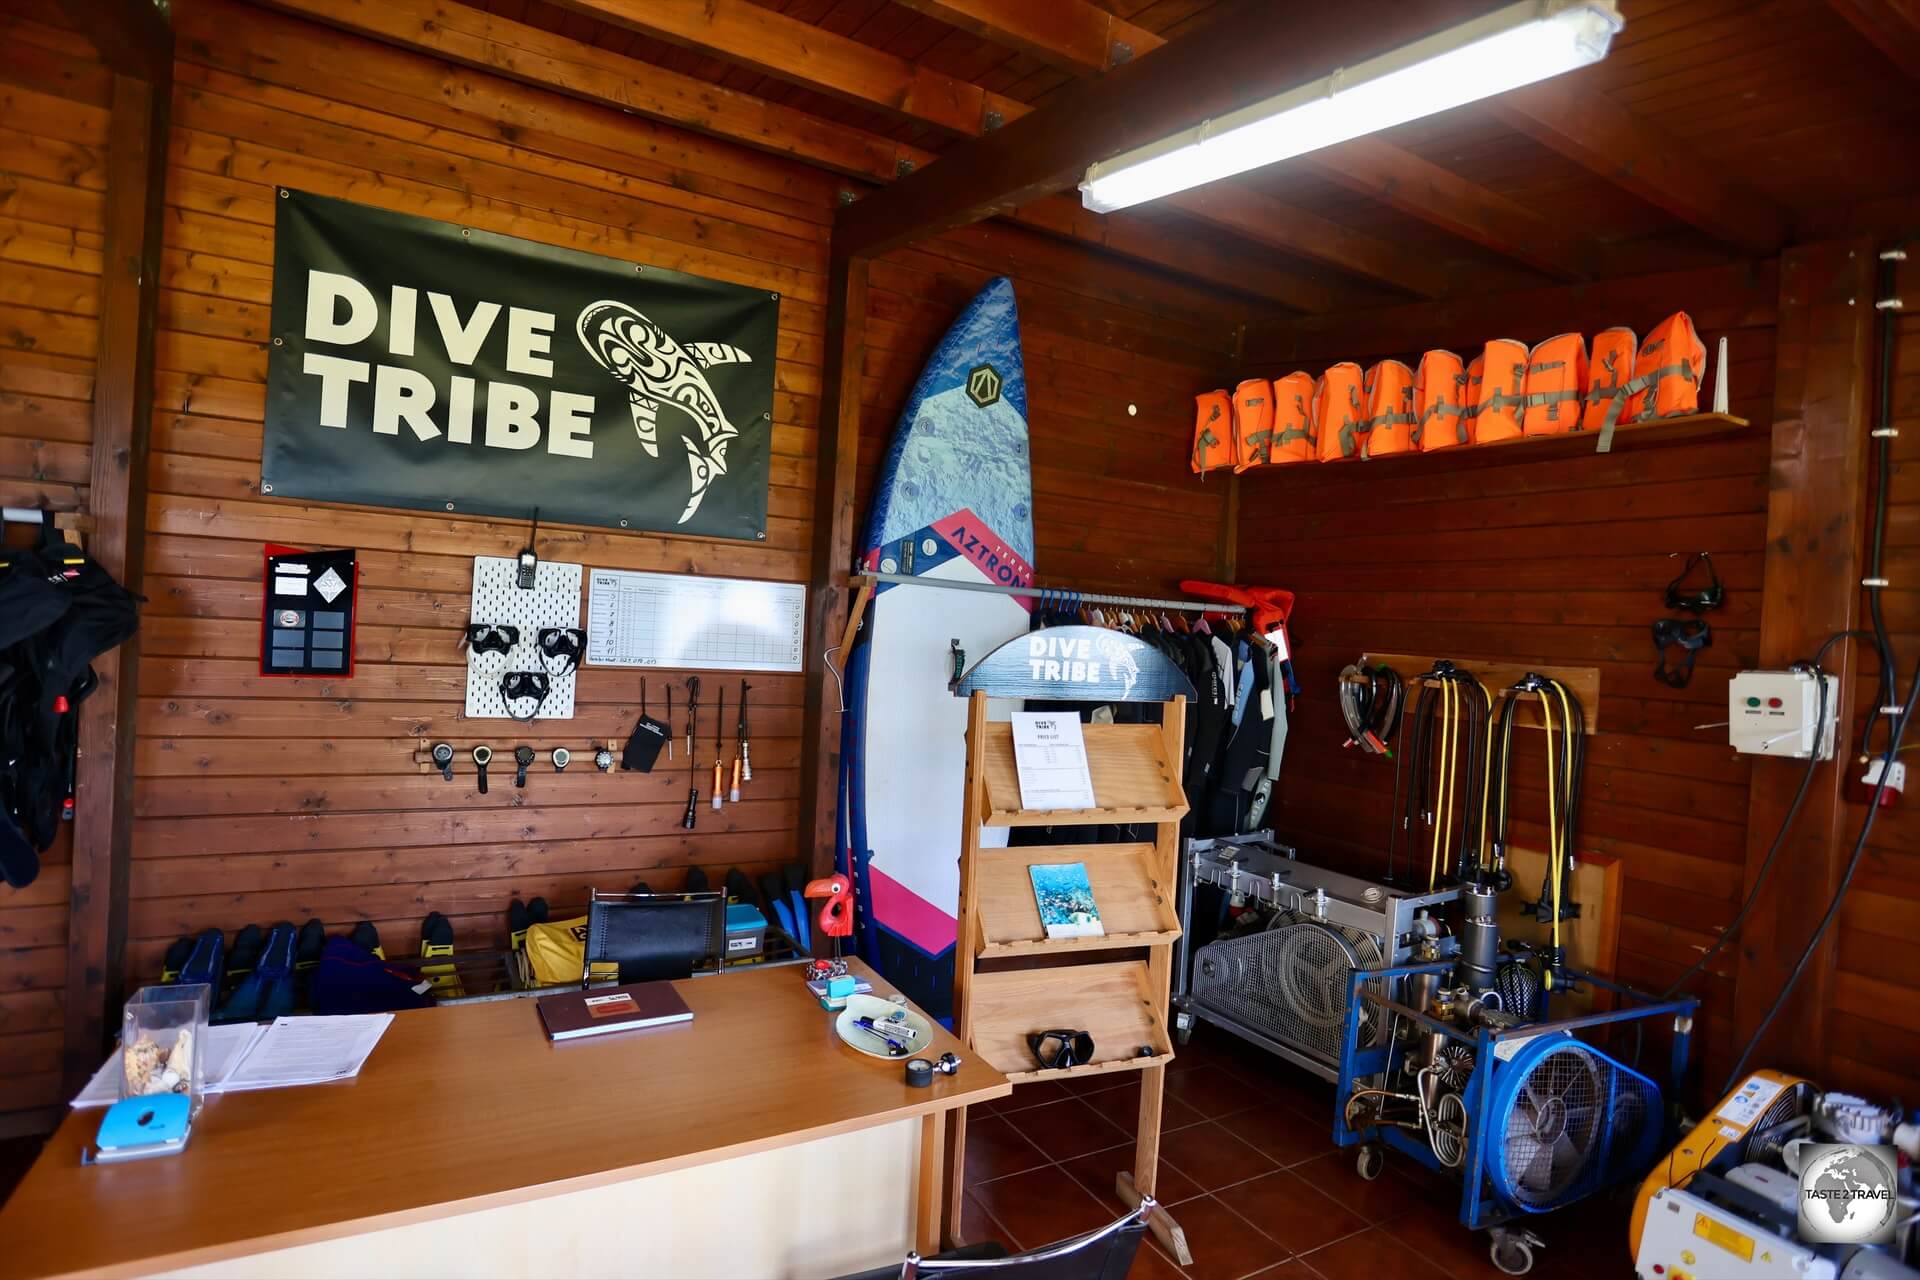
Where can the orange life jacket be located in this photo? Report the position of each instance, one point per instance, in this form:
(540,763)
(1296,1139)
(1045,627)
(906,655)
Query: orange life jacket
(1470,415)
(1556,379)
(1390,420)
(1498,382)
(1440,401)
(1340,412)
(1294,439)
(1667,371)
(1212,432)
(1252,424)
(1611,376)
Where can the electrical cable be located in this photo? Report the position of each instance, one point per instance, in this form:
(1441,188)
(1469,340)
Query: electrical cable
(1503,734)
(1554,844)
(1773,850)
(1449,768)
(1888,675)
(1419,748)
(1448,776)
(1897,730)
(1393,815)
(1883,468)
(1479,870)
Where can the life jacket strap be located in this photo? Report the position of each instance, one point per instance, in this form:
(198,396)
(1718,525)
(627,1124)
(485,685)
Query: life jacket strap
(1202,445)
(1646,381)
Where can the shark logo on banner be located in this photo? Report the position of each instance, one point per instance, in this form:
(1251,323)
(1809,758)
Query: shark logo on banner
(652,367)
(424,365)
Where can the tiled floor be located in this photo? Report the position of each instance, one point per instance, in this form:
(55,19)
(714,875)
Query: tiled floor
(1248,1166)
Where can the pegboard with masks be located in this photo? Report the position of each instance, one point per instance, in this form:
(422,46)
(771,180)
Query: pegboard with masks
(521,635)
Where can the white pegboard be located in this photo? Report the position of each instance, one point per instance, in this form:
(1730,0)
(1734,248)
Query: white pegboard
(553,602)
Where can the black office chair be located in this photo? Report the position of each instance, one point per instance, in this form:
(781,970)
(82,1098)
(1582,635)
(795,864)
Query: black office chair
(655,937)
(1105,1253)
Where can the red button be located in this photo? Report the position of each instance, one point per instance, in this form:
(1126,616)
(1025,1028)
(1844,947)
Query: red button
(1775,703)
(60,705)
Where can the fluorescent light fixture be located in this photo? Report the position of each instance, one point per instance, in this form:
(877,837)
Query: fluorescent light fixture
(1510,47)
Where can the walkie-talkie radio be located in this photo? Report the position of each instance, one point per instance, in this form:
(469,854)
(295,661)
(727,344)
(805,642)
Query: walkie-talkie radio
(529,563)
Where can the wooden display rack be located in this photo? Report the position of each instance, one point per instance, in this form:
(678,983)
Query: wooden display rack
(1100,985)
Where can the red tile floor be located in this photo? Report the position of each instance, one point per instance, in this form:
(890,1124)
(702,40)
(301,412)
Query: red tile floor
(1249,1169)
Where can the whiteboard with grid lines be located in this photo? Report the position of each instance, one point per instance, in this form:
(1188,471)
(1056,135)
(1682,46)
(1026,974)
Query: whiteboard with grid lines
(694,623)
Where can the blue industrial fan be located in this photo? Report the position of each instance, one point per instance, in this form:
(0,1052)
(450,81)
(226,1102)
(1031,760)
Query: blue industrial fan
(1565,1120)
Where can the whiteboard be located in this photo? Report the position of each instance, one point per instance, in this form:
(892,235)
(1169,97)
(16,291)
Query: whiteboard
(702,624)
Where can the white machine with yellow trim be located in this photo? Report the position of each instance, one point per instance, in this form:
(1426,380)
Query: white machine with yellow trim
(1724,1204)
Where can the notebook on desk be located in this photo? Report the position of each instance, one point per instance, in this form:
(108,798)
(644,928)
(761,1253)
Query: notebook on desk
(574,1015)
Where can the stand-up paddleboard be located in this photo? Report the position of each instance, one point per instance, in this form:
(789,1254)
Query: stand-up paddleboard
(954,502)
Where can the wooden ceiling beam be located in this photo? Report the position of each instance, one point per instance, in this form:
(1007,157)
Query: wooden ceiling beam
(1606,138)
(1415,186)
(774,44)
(475,38)
(1892,25)
(1239,59)
(1067,35)
(1081,37)
(825,62)
(1293,230)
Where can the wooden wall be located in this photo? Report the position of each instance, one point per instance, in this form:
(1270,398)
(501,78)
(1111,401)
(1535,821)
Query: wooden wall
(260,800)
(1561,562)
(53,135)
(1874,1020)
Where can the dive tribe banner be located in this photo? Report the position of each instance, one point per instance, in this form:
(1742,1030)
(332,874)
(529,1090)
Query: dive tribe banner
(422,364)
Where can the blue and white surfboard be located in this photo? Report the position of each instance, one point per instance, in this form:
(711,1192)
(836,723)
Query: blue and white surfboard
(954,501)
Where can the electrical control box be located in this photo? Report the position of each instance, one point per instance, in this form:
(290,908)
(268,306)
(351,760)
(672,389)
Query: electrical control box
(1777,713)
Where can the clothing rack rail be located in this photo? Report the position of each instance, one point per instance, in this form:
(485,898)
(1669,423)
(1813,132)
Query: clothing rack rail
(1065,594)
(866,582)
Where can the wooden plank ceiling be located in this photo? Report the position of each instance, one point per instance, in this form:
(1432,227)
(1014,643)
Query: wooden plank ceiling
(1711,128)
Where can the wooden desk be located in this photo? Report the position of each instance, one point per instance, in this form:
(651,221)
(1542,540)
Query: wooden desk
(749,1142)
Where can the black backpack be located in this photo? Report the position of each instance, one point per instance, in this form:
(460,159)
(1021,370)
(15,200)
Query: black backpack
(59,610)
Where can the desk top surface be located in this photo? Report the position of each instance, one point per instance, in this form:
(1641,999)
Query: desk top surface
(465,1107)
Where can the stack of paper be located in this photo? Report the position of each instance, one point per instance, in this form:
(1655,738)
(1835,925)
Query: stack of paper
(289,1051)
(1050,757)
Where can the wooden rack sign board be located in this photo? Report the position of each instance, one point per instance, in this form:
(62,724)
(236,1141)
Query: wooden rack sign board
(1121,1003)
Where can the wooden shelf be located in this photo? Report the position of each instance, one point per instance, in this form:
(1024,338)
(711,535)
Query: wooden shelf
(1133,780)
(1626,436)
(1000,997)
(1135,907)
(1111,1001)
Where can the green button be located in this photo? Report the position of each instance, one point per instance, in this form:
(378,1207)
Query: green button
(1753,702)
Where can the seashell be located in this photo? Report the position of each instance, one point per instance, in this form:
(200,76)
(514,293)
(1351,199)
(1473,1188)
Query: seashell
(180,1061)
(140,1060)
